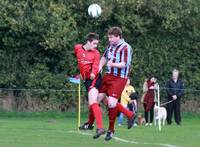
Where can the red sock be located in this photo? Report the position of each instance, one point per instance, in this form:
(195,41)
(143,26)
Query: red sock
(122,109)
(112,114)
(90,117)
(97,114)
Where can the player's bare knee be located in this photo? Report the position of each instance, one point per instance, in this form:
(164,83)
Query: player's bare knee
(112,105)
(92,100)
(112,102)
(91,103)
(92,96)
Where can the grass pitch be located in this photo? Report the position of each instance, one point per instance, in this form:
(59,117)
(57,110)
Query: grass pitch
(60,130)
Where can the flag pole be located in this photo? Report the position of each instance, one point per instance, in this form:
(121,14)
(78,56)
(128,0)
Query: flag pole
(79,104)
(76,80)
(159,121)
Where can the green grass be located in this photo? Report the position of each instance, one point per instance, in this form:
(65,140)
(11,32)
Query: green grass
(60,130)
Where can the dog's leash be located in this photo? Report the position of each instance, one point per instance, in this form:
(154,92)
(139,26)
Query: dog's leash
(166,102)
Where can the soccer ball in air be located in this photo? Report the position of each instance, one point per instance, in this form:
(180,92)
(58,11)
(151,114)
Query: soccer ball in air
(94,10)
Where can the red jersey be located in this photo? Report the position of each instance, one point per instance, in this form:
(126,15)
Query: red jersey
(88,61)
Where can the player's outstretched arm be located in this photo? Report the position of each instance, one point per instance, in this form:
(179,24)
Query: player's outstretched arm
(118,65)
(102,63)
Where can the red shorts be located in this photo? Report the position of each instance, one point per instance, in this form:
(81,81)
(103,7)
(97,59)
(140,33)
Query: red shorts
(112,85)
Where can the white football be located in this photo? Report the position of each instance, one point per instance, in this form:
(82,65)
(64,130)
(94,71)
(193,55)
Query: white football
(94,10)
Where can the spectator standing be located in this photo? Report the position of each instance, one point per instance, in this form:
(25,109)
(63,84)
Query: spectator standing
(175,90)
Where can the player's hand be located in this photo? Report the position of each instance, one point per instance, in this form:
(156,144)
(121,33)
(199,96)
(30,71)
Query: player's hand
(92,76)
(109,64)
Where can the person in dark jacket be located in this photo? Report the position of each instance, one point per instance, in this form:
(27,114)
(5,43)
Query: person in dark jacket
(175,90)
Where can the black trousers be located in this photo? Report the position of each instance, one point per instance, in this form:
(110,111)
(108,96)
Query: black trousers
(146,114)
(175,107)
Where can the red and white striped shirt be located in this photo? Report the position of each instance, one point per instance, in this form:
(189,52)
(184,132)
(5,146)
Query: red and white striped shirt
(122,52)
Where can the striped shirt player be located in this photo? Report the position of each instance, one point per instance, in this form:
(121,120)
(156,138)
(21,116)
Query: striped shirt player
(119,53)
(117,57)
(122,52)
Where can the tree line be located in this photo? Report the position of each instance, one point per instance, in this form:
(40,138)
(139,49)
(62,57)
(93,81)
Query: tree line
(37,39)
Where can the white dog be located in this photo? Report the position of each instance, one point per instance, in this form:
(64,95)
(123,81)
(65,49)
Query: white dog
(160,113)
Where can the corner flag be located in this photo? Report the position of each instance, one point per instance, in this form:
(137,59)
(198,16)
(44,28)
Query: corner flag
(76,80)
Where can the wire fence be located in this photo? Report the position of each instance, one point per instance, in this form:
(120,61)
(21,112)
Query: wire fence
(66,99)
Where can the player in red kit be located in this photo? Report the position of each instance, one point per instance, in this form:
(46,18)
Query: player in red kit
(117,56)
(88,58)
